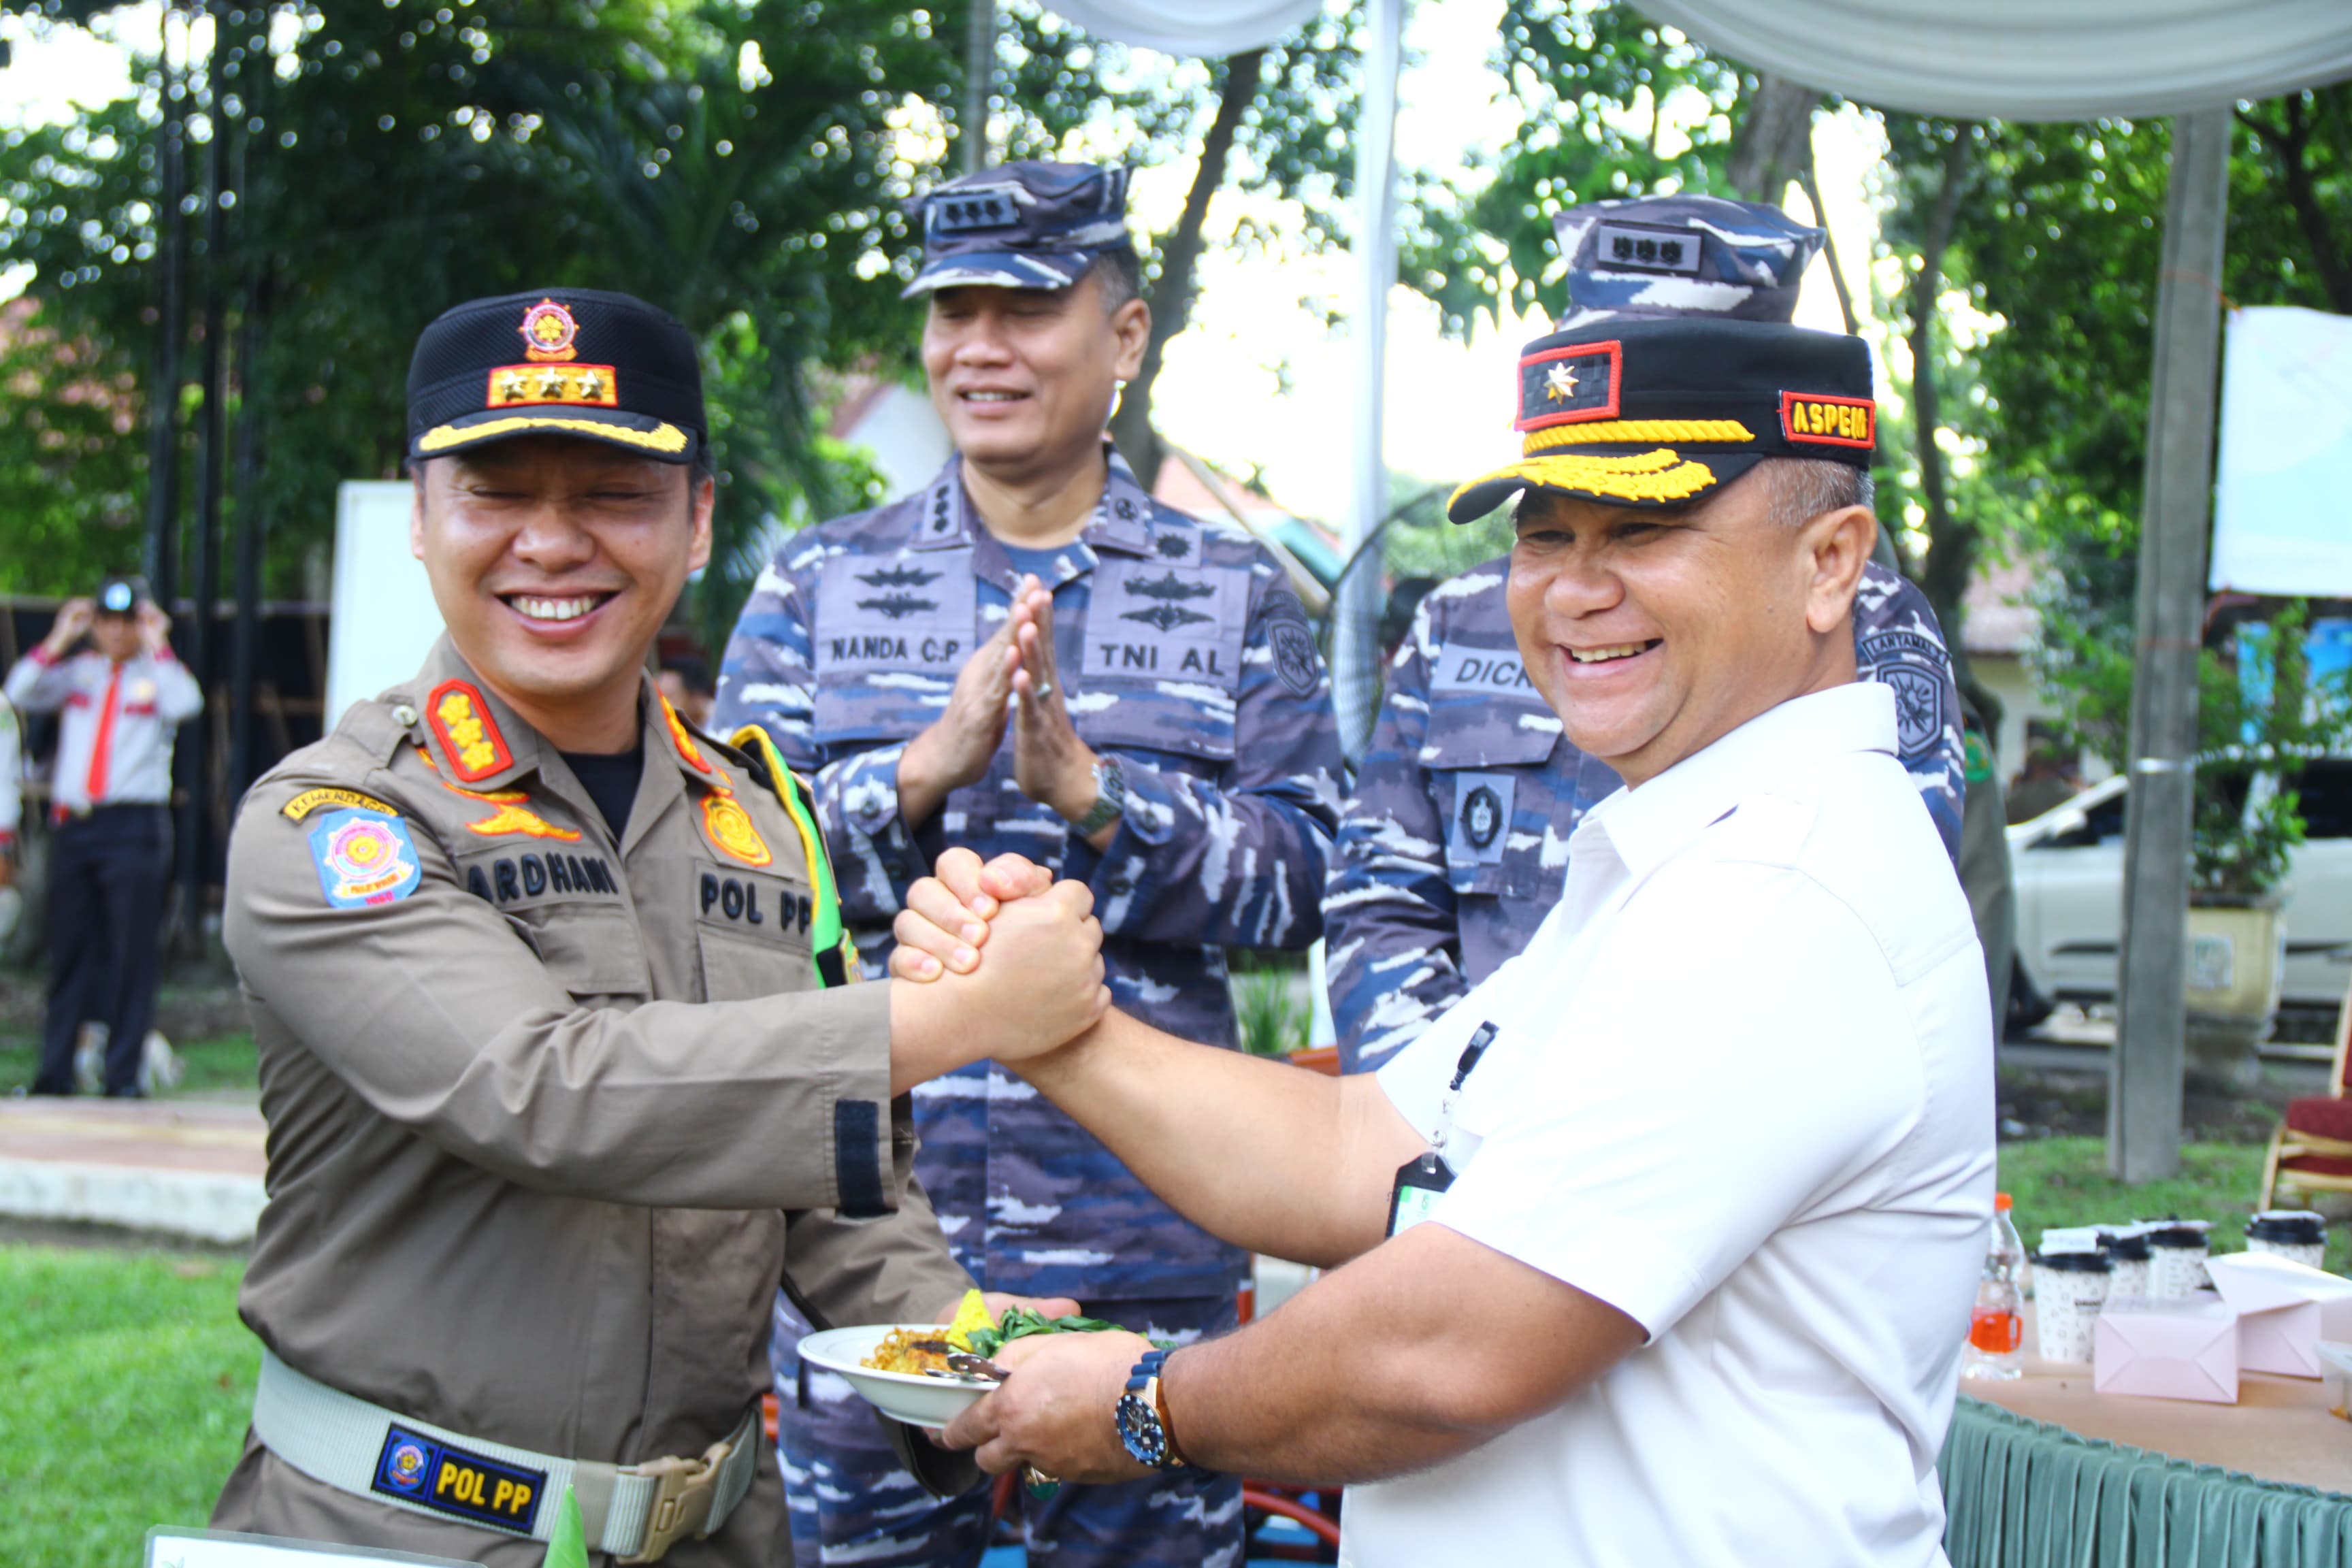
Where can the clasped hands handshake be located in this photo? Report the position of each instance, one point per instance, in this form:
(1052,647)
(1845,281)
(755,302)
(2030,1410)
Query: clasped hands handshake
(1040,983)
(1020,957)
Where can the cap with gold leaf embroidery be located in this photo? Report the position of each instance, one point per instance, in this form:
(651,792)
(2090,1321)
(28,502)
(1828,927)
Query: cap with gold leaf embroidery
(1673,370)
(561,362)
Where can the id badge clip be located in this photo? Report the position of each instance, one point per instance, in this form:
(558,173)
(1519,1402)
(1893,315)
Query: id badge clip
(1419,1184)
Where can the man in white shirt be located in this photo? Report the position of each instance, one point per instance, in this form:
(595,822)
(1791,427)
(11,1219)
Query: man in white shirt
(1707,1167)
(12,806)
(120,702)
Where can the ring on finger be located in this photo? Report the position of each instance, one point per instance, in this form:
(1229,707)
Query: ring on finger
(1044,690)
(1040,1483)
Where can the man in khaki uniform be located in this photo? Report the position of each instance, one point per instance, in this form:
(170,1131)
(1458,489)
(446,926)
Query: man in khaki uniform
(561,1069)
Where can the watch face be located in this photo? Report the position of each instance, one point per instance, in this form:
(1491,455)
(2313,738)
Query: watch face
(1139,1430)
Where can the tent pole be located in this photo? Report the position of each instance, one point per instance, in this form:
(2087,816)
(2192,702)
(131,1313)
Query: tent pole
(1356,613)
(2145,1096)
(979,83)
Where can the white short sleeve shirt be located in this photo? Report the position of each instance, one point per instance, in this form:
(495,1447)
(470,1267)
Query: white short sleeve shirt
(1741,1089)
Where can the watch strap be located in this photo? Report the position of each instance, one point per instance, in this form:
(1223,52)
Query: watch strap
(1110,797)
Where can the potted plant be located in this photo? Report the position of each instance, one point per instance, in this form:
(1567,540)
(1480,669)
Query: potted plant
(2261,720)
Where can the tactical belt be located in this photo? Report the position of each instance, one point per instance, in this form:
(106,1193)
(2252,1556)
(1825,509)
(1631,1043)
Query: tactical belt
(636,1513)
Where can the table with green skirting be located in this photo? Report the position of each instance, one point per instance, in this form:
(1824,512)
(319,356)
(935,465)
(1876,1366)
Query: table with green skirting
(2046,1472)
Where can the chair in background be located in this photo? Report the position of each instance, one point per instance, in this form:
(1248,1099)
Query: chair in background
(2312,1150)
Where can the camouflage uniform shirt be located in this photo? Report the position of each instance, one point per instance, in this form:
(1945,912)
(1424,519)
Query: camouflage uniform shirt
(1454,845)
(1182,650)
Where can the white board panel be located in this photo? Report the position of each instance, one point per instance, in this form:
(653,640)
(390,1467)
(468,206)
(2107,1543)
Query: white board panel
(2283,501)
(384,620)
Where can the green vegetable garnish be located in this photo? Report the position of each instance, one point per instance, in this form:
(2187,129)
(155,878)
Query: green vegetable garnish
(1020,1322)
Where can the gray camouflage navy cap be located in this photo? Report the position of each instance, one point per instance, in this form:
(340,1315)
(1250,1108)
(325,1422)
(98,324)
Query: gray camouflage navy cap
(1681,256)
(1023,225)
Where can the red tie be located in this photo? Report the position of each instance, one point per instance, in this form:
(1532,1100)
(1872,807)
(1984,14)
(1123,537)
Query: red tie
(101,750)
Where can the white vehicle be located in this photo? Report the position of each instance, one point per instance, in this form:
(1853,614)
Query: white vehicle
(2068,869)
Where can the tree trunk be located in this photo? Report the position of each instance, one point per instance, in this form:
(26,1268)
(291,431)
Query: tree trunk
(2292,146)
(1951,543)
(1179,258)
(1773,143)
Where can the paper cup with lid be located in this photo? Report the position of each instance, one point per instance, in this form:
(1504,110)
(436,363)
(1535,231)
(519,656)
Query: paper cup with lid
(2177,1250)
(2127,1247)
(2298,1234)
(2071,1279)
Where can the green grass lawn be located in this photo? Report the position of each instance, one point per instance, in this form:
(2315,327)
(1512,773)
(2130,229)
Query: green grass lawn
(227,1063)
(130,1382)
(2056,1182)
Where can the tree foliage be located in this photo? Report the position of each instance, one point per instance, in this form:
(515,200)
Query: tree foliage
(742,162)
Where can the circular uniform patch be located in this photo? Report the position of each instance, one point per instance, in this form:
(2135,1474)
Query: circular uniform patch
(404,1470)
(1482,817)
(1293,643)
(729,826)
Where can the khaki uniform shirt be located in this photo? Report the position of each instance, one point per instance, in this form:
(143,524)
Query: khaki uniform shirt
(550,1114)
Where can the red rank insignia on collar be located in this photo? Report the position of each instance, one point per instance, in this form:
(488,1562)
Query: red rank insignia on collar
(469,736)
(684,740)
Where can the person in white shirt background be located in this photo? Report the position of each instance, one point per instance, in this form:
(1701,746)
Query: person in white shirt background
(1706,1169)
(12,810)
(119,704)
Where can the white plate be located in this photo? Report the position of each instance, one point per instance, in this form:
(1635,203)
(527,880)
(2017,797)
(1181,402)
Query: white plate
(903,1396)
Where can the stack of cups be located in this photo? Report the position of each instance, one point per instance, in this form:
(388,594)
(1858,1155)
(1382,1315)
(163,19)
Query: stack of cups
(2071,1279)
(2298,1234)
(2176,1255)
(2126,1248)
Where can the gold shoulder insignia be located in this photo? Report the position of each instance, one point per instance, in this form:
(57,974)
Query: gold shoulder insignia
(310,800)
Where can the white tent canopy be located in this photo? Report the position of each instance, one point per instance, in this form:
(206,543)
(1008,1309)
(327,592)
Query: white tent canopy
(1209,28)
(2031,60)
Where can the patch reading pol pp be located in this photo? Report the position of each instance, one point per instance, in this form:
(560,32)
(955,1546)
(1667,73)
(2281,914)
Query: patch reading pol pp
(428,1473)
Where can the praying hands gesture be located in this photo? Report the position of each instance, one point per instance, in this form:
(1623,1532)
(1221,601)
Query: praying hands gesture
(1014,673)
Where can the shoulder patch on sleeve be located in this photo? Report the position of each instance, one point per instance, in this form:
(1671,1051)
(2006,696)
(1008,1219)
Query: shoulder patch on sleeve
(310,800)
(1293,642)
(364,858)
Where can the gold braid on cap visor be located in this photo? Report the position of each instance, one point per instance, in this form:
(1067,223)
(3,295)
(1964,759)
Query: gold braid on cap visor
(661,438)
(1724,431)
(1655,475)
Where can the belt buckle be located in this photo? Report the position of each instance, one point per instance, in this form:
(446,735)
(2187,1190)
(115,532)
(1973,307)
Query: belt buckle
(684,1490)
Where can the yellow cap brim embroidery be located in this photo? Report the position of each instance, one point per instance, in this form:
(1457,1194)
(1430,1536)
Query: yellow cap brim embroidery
(1659,476)
(1673,432)
(667,438)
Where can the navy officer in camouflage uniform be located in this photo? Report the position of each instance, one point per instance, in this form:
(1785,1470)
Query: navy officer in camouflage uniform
(1454,845)
(1171,743)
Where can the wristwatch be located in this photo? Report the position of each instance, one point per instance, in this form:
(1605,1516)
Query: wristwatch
(1110,797)
(1142,1418)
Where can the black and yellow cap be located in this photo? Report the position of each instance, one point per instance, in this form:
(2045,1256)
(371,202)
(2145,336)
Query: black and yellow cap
(1658,412)
(557,361)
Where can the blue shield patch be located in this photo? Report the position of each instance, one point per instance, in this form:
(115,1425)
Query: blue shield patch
(364,858)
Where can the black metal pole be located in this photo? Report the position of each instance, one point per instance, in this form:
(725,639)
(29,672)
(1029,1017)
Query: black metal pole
(162,550)
(248,521)
(197,820)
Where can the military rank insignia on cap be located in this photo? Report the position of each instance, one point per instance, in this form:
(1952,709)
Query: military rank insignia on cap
(1681,256)
(1673,370)
(1024,226)
(578,363)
